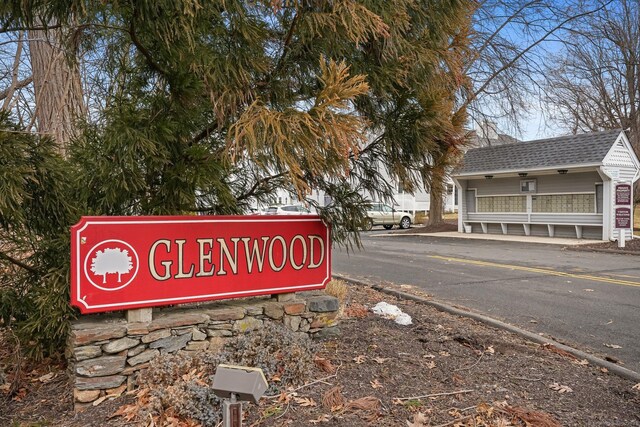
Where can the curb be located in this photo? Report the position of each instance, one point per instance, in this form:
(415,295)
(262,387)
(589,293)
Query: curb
(607,251)
(611,367)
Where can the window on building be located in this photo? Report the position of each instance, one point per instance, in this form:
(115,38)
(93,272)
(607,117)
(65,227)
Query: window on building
(528,186)
(564,203)
(502,204)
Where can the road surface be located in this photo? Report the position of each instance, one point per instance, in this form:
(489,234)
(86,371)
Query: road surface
(587,300)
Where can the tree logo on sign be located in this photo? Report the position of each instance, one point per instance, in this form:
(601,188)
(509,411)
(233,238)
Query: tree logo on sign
(110,263)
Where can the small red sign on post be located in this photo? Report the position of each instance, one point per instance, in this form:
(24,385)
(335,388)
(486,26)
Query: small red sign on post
(121,263)
(623,194)
(623,218)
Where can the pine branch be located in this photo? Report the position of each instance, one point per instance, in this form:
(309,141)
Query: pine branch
(252,191)
(285,51)
(18,263)
(287,42)
(204,133)
(141,48)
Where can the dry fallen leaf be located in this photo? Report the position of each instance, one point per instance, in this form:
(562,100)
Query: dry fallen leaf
(503,422)
(604,370)
(612,345)
(429,356)
(380,360)
(454,412)
(636,387)
(20,394)
(376,384)
(285,397)
(560,388)
(444,353)
(501,403)
(431,365)
(490,350)
(357,311)
(360,359)
(128,412)
(583,362)
(324,364)
(321,419)
(419,420)
(46,378)
(305,401)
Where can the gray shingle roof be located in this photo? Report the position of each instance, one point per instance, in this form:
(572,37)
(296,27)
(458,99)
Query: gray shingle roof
(564,151)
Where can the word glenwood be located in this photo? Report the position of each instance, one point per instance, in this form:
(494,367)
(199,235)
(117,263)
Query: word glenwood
(235,255)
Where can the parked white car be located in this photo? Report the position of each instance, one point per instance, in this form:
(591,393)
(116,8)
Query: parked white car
(287,210)
(386,216)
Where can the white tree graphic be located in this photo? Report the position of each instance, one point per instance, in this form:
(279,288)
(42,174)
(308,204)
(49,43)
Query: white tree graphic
(110,261)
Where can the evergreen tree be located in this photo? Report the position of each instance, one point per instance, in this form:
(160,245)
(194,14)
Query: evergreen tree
(211,106)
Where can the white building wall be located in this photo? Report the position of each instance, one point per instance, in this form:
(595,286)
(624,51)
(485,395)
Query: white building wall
(620,166)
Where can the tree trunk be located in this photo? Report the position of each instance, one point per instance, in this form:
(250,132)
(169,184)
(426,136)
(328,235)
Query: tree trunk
(436,199)
(57,85)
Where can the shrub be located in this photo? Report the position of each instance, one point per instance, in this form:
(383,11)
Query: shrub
(180,384)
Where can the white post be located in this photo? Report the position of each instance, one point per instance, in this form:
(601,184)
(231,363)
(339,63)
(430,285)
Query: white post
(622,235)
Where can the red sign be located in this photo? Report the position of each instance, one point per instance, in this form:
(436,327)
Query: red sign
(623,194)
(623,218)
(120,263)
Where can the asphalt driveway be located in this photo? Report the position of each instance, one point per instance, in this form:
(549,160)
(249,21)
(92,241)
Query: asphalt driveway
(587,300)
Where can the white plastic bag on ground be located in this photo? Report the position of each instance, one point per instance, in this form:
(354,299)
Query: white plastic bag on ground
(390,311)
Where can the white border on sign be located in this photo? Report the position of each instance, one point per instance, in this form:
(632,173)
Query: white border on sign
(81,300)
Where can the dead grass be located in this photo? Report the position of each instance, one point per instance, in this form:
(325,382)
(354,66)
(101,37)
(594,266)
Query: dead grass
(338,289)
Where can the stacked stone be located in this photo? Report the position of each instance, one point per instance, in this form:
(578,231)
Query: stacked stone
(105,354)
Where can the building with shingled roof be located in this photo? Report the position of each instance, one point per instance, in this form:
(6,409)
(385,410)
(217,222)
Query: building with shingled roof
(570,186)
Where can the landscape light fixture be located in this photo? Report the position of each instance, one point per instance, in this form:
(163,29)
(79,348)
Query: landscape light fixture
(522,174)
(234,384)
(562,171)
(488,176)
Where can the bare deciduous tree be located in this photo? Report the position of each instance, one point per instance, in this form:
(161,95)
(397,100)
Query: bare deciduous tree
(510,41)
(593,83)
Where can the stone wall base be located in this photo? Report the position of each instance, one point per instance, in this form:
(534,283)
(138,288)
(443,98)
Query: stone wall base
(105,352)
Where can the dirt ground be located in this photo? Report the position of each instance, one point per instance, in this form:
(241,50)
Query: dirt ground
(630,247)
(442,370)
